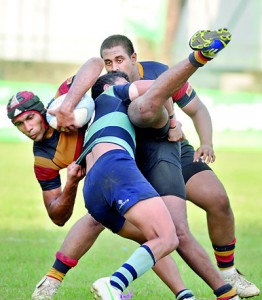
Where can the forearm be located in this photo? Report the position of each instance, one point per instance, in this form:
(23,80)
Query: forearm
(200,116)
(204,129)
(83,81)
(61,207)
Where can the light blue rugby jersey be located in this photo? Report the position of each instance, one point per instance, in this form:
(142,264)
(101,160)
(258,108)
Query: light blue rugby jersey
(111,123)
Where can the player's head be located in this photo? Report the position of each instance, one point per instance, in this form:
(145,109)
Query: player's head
(118,54)
(27,113)
(117,40)
(107,80)
(23,102)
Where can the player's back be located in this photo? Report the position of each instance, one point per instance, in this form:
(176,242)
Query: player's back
(111,123)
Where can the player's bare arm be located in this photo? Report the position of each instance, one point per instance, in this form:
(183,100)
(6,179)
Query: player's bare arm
(60,203)
(203,124)
(84,79)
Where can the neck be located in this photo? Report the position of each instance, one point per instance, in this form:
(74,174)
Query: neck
(48,133)
(135,74)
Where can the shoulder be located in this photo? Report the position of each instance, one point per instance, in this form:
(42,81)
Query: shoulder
(64,86)
(151,69)
(153,64)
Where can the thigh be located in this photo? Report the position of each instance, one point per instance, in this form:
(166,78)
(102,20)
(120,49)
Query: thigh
(207,195)
(131,232)
(112,186)
(99,184)
(150,151)
(178,211)
(167,179)
(159,161)
(152,217)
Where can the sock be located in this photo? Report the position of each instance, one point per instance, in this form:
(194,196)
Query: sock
(61,266)
(225,255)
(184,294)
(197,59)
(225,292)
(138,263)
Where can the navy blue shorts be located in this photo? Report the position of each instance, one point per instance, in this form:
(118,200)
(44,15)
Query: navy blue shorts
(190,168)
(159,161)
(112,186)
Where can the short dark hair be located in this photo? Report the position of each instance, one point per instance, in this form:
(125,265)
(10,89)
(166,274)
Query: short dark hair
(117,40)
(109,78)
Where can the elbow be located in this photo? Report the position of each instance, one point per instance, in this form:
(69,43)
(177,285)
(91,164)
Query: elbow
(59,221)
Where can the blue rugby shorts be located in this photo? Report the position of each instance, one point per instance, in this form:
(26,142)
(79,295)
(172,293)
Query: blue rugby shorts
(112,186)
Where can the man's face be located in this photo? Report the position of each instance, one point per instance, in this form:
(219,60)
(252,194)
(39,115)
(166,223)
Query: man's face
(32,125)
(116,59)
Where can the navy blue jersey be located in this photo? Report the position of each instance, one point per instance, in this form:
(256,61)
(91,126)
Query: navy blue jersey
(149,70)
(156,157)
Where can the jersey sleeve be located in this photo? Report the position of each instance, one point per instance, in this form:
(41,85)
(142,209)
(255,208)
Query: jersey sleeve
(184,95)
(64,87)
(48,178)
(122,92)
(150,70)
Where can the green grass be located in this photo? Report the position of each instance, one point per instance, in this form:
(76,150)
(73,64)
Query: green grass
(29,240)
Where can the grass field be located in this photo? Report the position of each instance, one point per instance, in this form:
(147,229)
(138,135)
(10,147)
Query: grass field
(29,240)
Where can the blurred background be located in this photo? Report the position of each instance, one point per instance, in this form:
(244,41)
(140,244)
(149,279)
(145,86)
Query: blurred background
(44,42)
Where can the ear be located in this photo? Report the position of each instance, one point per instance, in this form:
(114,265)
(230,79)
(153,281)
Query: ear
(134,57)
(106,86)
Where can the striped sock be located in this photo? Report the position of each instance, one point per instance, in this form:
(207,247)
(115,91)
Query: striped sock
(61,266)
(197,59)
(225,255)
(225,292)
(138,263)
(184,294)
(54,273)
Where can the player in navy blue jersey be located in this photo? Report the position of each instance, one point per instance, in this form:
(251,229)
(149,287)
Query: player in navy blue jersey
(118,53)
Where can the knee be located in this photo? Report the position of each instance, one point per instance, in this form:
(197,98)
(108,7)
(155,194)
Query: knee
(183,233)
(222,203)
(93,225)
(170,242)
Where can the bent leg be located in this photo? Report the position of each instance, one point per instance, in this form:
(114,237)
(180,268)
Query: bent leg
(153,219)
(212,197)
(166,268)
(189,249)
(81,237)
(147,110)
(78,241)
